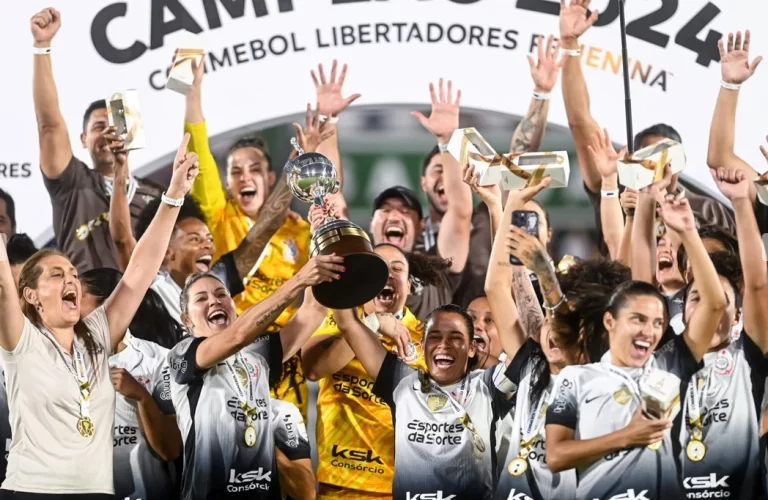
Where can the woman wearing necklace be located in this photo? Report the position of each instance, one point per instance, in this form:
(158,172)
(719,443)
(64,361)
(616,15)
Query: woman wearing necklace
(445,417)
(60,395)
(600,423)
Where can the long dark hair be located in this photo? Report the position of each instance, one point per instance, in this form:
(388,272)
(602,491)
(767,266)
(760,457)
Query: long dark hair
(468,324)
(152,321)
(427,269)
(28,278)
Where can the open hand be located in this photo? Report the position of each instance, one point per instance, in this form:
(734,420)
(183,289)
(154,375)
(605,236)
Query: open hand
(198,72)
(659,189)
(603,153)
(573,18)
(45,24)
(677,214)
(126,385)
(545,70)
(734,59)
(185,170)
(643,431)
(444,118)
(321,269)
(732,182)
(329,99)
(314,132)
(522,196)
(490,195)
(390,327)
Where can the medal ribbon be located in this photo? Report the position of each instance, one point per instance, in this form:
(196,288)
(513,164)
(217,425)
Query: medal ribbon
(629,382)
(532,429)
(695,400)
(245,398)
(78,370)
(457,405)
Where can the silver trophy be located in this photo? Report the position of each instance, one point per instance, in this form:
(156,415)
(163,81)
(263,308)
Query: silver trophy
(312,176)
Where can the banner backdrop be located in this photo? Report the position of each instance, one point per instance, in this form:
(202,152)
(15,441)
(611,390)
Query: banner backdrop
(261,51)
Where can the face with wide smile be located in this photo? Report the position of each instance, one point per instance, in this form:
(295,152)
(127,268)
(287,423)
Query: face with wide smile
(248,179)
(395,223)
(636,330)
(392,298)
(667,271)
(93,140)
(58,293)
(447,348)
(210,309)
(486,336)
(432,185)
(190,251)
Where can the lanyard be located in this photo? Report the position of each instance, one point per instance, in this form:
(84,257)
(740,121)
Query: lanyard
(463,397)
(79,371)
(535,421)
(697,388)
(244,397)
(629,382)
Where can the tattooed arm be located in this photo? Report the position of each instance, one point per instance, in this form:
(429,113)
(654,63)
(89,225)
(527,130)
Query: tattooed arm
(550,287)
(528,307)
(530,130)
(270,219)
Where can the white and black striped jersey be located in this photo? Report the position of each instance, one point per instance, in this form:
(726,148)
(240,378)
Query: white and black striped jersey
(537,482)
(435,451)
(594,401)
(290,430)
(729,391)
(139,474)
(217,461)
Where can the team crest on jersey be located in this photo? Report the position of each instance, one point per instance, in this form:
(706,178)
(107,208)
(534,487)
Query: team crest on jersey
(143,380)
(412,355)
(436,402)
(291,251)
(724,363)
(622,396)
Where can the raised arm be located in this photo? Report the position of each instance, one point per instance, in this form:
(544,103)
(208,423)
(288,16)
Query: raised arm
(734,185)
(702,324)
(643,258)
(605,158)
(150,250)
(303,324)
(628,200)
(254,321)
(11,317)
(119,213)
(490,195)
(55,148)
(207,191)
(735,69)
(363,342)
(453,238)
(530,131)
(573,23)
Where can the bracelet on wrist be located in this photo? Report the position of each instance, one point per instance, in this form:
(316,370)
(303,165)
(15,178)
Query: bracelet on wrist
(541,96)
(609,193)
(730,86)
(571,52)
(41,51)
(442,147)
(332,120)
(174,202)
(552,309)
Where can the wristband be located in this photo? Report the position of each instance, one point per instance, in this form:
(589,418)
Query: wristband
(571,52)
(609,193)
(332,120)
(372,322)
(730,86)
(442,147)
(41,51)
(541,96)
(174,202)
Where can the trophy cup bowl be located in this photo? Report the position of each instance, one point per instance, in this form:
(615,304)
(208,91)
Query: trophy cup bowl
(310,177)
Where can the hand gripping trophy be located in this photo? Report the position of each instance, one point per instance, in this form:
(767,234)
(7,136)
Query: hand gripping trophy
(311,176)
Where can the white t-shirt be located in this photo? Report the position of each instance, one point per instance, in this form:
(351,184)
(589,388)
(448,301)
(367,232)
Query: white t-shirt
(48,454)
(139,473)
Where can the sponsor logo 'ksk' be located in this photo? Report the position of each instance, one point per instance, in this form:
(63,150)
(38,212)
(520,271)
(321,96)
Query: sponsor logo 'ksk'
(258,479)
(366,456)
(428,496)
(513,495)
(710,482)
(630,495)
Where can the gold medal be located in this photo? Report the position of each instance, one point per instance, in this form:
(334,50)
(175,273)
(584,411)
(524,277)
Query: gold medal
(622,396)
(695,450)
(517,467)
(655,446)
(435,402)
(85,427)
(479,443)
(242,375)
(250,436)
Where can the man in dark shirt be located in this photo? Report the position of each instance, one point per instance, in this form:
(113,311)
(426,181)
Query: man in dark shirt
(7,214)
(79,195)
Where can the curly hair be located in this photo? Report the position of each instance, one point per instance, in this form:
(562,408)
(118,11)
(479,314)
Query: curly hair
(428,269)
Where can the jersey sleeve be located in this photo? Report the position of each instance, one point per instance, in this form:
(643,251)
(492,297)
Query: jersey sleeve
(182,361)
(503,391)
(290,431)
(226,270)
(207,189)
(564,408)
(270,346)
(515,370)
(391,373)
(676,357)
(98,326)
(66,184)
(161,392)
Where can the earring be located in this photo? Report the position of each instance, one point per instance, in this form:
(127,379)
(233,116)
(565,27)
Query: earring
(39,307)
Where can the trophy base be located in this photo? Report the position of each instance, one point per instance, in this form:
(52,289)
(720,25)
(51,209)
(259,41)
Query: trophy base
(366,272)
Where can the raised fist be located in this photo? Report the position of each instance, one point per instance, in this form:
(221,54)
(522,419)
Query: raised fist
(45,24)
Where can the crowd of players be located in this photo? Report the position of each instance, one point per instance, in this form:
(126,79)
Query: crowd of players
(162,351)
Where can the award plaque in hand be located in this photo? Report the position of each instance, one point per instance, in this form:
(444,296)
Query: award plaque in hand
(311,177)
